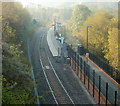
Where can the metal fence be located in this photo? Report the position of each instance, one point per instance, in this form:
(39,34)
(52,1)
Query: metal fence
(96,84)
(102,63)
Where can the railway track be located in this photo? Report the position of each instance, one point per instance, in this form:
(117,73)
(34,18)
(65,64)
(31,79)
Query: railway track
(57,89)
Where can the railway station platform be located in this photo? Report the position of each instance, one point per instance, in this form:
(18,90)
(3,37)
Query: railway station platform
(54,45)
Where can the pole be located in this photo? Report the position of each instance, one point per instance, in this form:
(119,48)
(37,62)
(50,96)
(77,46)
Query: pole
(77,64)
(106,93)
(115,98)
(81,67)
(54,26)
(88,76)
(58,52)
(71,54)
(84,71)
(93,81)
(75,61)
(87,38)
(99,88)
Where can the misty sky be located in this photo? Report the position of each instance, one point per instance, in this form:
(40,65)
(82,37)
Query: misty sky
(50,3)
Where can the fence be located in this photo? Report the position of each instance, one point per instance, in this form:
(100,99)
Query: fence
(102,63)
(96,85)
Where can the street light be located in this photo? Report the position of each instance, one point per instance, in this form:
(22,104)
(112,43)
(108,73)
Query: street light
(87,54)
(54,25)
(89,26)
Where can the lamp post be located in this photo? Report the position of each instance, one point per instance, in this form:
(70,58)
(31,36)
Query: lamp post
(87,54)
(54,25)
(89,26)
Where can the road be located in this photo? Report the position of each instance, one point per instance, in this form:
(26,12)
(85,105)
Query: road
(56,82)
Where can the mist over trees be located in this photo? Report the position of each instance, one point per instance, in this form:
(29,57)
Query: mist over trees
(103,36)
(17,82)
(19,23)
(46,16)
(79,15)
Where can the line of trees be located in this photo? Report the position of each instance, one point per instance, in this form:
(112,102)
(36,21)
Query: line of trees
(17,86)
(103,36)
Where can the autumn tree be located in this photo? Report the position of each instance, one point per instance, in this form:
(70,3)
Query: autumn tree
(79,16)
(112,54)
(103,36)
(98,34)
(17,87)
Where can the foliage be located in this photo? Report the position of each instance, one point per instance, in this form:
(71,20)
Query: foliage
(15,95)
(46,16)
(19,19)
(17,81)
(65,14)
(112,54)
(79,16)
(41,15)
(16,15)
(103,37)
(98,34)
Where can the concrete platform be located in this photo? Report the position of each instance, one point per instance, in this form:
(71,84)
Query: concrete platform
(54,45)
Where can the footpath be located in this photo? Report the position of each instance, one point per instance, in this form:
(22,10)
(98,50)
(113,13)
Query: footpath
(54,45)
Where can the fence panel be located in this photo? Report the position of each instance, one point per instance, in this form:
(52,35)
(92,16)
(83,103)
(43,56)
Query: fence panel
(92,79)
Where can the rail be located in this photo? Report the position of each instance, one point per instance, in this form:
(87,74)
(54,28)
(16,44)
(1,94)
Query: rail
(103,92)
(58,98)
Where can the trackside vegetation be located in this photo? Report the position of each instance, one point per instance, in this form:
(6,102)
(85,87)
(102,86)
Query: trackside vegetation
(17,83)
(103,36)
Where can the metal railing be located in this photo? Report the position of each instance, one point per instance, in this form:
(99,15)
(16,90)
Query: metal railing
(102,63)
(96,84)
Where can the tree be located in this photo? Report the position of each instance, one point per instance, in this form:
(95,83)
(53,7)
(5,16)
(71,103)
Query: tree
(98,34)
(17,16)
(15,95)
(79,16)
(112,54)
(18,84)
